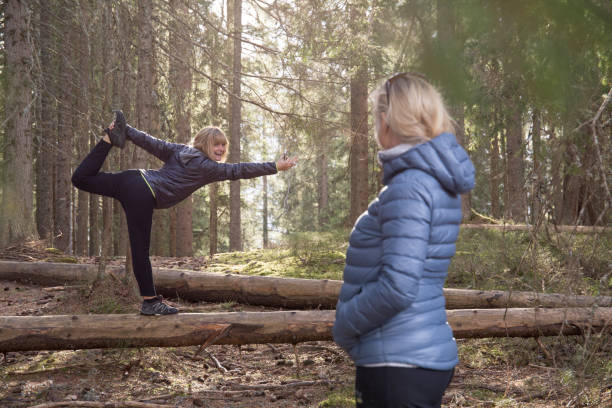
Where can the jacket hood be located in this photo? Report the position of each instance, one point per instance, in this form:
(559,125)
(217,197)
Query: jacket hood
(189,153)
(442,157)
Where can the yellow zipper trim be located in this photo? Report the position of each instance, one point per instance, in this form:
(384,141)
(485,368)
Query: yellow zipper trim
(145,179)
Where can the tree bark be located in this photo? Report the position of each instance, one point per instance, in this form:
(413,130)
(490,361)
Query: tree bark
(25,333)
(213,188)
(180,85)
(172,231)
(322,181)
(119,331)
(537,194)
(279,292)
(81,123)
(496,175)
(44,162)
(63,188)
(515,197)
(17,220)
(359,125)
(235,122)
(556,185)
(447,41)
(265,212)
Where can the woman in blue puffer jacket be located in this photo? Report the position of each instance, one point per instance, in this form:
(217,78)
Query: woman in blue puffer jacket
(391,315)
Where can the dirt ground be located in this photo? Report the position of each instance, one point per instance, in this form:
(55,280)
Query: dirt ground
(313,374)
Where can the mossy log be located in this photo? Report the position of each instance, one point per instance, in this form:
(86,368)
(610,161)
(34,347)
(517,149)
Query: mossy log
(23,333)
(277,292)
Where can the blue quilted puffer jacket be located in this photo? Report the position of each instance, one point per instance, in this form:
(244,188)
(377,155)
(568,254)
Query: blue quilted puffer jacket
(391,307)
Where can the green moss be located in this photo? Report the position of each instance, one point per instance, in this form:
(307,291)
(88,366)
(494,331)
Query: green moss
(66,259)
(306,259)
(340,398)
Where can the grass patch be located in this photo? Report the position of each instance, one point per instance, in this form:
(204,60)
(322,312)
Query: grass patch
(340,398)
(310,255)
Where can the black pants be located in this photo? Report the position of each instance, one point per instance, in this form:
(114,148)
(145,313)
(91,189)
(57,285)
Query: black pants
(400,387)
(132,191)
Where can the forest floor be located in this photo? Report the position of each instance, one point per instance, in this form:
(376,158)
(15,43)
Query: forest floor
(547,372)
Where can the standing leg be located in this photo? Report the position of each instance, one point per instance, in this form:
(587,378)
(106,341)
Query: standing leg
(138,204)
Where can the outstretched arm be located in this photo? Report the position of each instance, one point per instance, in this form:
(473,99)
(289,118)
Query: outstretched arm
(235,171)
(157,147)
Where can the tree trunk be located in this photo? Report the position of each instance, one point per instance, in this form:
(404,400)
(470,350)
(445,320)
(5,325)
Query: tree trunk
(213,194)
(119,331)
(94,227)
(127,93)
(495,177)
(81,122)
(180,85)
(359,143)
(537,192)
(25,333)
(556,186)
(235,122)
(515,198)
(322,185)
(447,42)
(213,188)
(463,139)
(63,187)
(44,162)
(147,117)
(265,212)
(17,221)
(278,292)
(172,231)
(572,184)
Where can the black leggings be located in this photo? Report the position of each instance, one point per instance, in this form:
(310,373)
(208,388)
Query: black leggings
(400,387)
(132,191)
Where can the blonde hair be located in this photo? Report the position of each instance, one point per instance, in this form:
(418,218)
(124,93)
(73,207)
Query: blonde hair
(207,138)
(415,110)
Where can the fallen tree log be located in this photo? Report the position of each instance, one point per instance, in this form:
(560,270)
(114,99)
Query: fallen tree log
(484,299)
(277,292)
(23,333)
(579,229)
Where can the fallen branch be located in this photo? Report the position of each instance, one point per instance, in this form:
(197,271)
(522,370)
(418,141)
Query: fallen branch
(123,404)
(216,362)
(278,386)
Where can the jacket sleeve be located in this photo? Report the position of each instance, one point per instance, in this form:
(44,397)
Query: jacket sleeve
(405,218)
(157,147)
(234,171)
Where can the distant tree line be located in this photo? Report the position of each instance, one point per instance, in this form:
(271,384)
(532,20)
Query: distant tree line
(527,82)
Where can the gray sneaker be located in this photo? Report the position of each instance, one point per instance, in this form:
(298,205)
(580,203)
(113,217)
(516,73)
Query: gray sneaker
(156,307)
(117,134)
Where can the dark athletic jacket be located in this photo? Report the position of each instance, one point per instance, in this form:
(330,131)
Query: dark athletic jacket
(186,169)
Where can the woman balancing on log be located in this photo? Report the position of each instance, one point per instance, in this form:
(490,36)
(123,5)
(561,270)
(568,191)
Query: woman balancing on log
(390,315)
(186,168)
